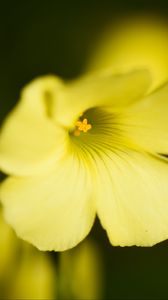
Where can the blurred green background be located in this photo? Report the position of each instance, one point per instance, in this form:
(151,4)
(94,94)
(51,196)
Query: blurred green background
(44,37)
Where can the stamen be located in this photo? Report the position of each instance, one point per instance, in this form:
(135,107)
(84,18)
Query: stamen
(82,126)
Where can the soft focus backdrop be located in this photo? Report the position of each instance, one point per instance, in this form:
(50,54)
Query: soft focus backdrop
(44,37)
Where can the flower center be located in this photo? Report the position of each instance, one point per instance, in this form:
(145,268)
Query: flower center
(82,126)
(105,132)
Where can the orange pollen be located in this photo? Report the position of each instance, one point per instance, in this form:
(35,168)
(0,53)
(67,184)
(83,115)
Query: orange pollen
(82,126)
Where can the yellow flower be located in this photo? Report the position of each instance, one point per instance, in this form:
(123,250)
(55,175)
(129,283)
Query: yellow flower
(59,180)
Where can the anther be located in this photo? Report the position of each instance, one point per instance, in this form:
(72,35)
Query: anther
(82,126)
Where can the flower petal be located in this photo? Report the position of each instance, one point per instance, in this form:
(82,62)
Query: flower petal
(30,140)
(53,212)
(41,94)
(147,122)
(137,41)
(34,275)
(132,199)
(102,89)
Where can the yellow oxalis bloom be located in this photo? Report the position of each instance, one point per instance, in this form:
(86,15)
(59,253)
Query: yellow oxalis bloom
(93,145)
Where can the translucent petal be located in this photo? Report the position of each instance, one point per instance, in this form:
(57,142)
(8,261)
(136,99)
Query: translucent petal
(132,198)
(146,122)
(40,95)
(102,89)
(54,211)
(135,42)
(30,141)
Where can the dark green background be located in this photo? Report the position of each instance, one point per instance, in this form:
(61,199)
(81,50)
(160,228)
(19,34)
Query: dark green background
(41,37)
